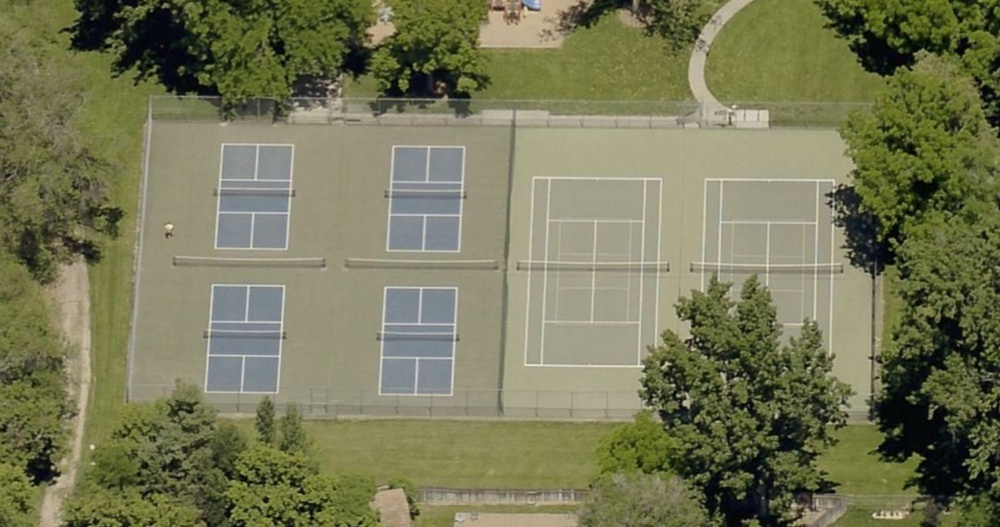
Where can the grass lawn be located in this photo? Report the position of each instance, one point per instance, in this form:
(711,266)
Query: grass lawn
(857,469)
(856,517)
(780,50)
(609,61)
(444,515)
(112,120)
(469,454)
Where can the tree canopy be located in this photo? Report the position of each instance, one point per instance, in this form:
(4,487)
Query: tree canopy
(749,415)
(237,49)
(436,41)
(173,447)
(272,487)
(129,509)
(33,400)
(890,35)
(941,397)
(925,149)
(16,497)
(53,188)
(641,446)
(642,500)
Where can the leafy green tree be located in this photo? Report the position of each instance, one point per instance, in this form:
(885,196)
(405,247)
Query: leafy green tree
(642,500)
(436,41)
(53,188)
(34,403)
(638,446)
(238,49)
(940,399)
(129,509)
(293,434)
(16,497)
(678,22)
(890,35)
(749,416)
(925,149)
(272,487)
(178,449)
(264,423)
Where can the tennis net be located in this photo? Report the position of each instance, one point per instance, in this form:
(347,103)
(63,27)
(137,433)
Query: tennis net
(218,261)
(269,192)
(414,335)
(244,334)
(544,265)
(722,267)
(425,193)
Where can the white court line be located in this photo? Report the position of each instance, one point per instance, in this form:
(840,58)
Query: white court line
(592,220)
(767,255)
(593,276)
(721,202)
(291,178)
(642,276)
(816,255)
(833,234)
(628,287)
(764,222)
(545,268)
(772,180)
(590,366)
(461,202)
(593,322)
(531,248)
(559,257)
(281,343)
(659,245)
(704,227)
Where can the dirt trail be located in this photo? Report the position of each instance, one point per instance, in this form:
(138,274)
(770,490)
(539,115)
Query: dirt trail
(72,297)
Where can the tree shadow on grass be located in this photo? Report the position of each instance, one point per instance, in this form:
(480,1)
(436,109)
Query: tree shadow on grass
(860,231)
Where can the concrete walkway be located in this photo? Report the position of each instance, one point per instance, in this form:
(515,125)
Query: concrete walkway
(710,106)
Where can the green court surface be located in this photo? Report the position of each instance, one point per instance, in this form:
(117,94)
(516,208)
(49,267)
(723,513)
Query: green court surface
(470,270)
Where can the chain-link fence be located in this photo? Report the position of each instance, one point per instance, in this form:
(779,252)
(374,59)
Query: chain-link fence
(366,402)
(332,403)
(492,112)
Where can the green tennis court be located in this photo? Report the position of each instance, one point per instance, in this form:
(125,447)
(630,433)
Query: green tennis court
(470,270)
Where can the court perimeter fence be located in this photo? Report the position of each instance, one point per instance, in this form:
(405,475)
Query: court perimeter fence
(491,112)
(334,403)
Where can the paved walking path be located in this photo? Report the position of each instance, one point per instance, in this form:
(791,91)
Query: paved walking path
(696,66)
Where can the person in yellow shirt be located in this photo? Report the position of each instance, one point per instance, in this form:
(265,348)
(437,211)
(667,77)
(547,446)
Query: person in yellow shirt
(168,230)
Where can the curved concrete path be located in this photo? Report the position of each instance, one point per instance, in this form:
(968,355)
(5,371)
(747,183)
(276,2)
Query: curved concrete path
(696,65)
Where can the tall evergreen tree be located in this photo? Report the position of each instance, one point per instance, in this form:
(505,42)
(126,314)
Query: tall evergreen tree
(264,423)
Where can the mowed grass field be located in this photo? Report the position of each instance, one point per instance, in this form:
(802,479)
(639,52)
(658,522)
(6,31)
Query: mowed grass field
(609,61)
(537,454)
(780,50)
(464,454)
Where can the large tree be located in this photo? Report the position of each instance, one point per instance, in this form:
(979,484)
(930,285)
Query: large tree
(888,35)
(129,509)
(53,198)
(238,49)
(272,487)
(940,400)
(435,49)
(33,400)
(173,447)
(924,150)
(749,415)
(642,500)
(16,497)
